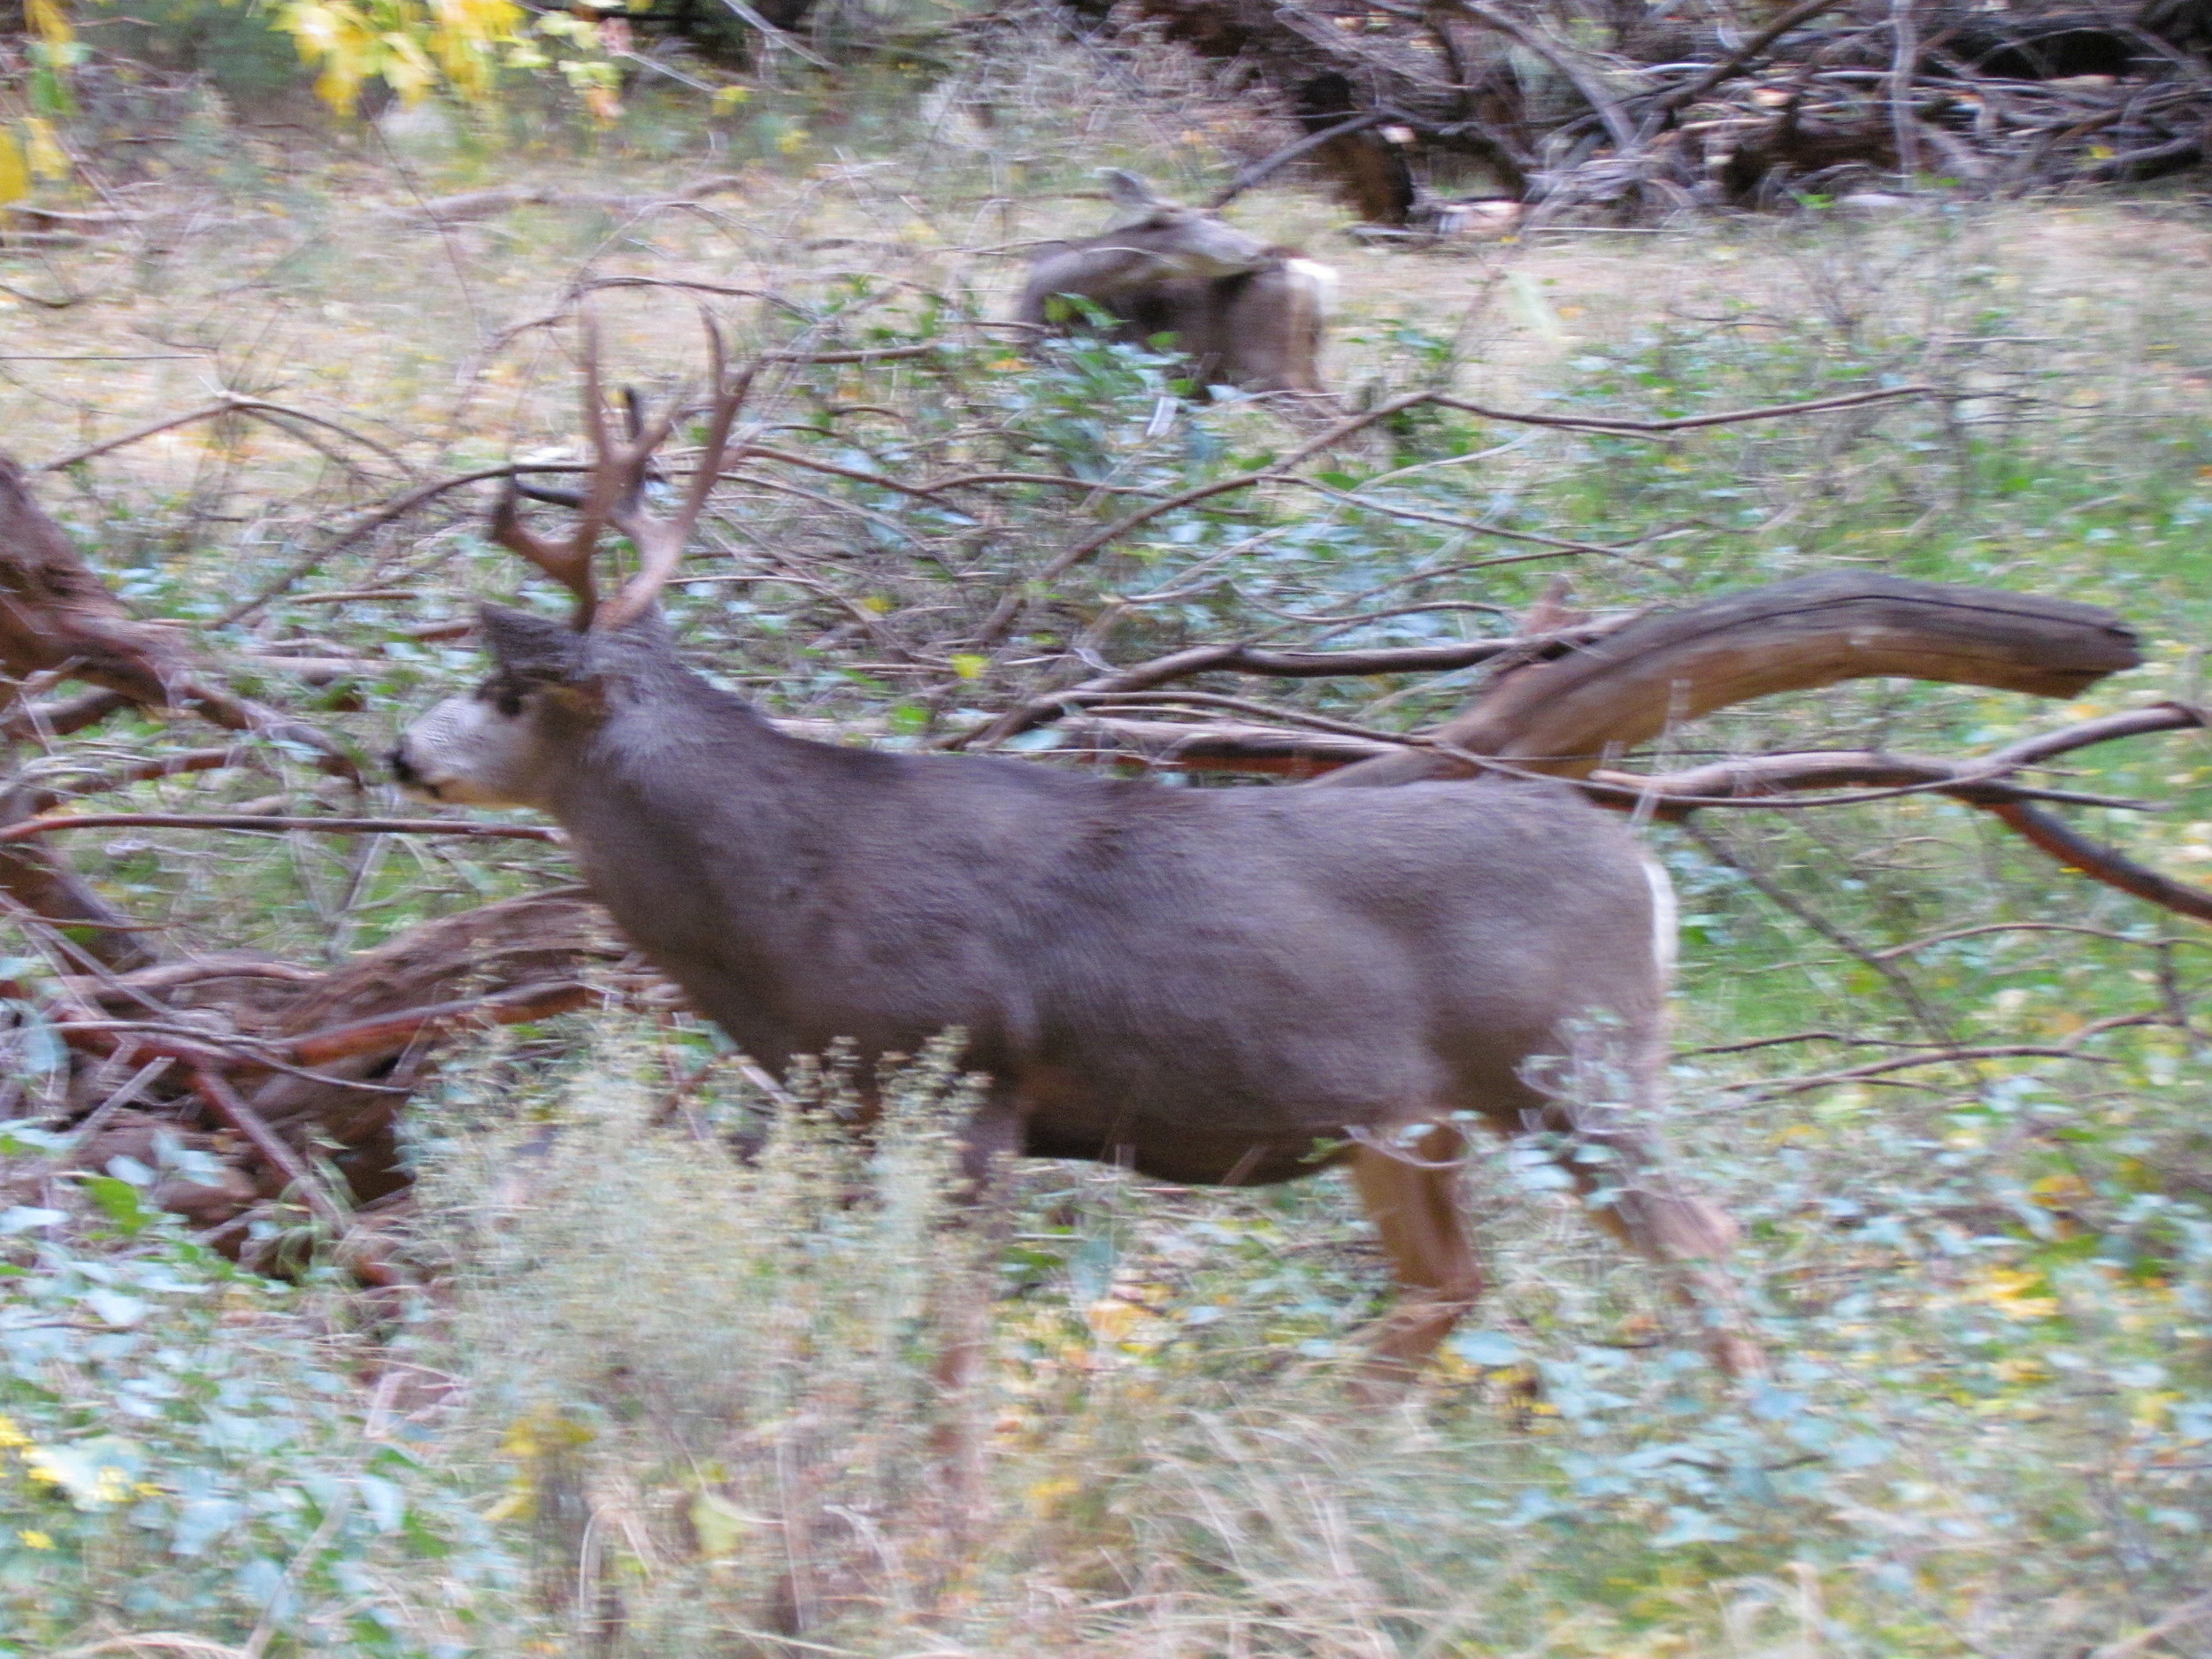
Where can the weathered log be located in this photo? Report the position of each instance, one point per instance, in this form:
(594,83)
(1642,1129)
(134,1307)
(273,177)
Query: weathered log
(1564,716)
(544,939)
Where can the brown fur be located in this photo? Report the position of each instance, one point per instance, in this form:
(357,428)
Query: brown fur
(1239,310)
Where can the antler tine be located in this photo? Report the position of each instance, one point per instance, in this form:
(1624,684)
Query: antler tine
(661,541)
(558,560)
(569,562)
(610,480)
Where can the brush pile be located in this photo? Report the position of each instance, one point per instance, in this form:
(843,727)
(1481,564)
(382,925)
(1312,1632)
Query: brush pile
(1622,111)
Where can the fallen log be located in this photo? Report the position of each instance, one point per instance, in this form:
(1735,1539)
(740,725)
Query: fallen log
(1561,717)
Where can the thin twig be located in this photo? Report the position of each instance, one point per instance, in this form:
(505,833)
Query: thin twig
(1062,563)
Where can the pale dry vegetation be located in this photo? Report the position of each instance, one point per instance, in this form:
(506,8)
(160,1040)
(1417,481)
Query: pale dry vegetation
(662,1400)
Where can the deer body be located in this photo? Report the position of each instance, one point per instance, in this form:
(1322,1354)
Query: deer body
(1195,982)
(1244,313)
(1211,986)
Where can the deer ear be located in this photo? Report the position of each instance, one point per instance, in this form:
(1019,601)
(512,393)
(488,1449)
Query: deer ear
(530,647)
(1128,191)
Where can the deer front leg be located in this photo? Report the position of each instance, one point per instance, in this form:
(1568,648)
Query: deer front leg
(988,1142)
(1413,1195)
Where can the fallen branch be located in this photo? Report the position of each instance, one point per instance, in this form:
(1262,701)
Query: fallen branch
(1562,717)
(30,827)
(225,1103)
(388,1033)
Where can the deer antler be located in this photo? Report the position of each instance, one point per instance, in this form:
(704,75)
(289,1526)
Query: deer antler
(661,541)
(615,494)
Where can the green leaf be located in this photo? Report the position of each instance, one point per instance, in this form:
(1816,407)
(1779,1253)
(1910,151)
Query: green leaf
(1486,1347)
(117,1310)
(120,1199)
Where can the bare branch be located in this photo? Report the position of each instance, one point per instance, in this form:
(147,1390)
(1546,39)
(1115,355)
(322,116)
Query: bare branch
(2102,863)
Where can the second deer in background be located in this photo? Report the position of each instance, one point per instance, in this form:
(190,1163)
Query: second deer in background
(1243,313)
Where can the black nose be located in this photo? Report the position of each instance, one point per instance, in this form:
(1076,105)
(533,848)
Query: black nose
(402,772)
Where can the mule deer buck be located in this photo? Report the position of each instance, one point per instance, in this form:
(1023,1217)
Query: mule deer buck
(1208,985)
(1243,313)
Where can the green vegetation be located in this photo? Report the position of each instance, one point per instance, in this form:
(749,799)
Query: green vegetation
(663,1401)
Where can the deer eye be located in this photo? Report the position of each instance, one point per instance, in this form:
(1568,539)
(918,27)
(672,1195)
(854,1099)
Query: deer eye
(502,695)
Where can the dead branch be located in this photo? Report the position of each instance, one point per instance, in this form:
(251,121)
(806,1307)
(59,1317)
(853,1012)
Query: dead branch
(61,716)
(1768,782)
(519,959)
(44,798)
(1680,112)
(1268,167)
(388,1033)
(1241,658)
(1734,64)
(273,825)
(229,403)
(2070,1049)
(1578,74)
(58,619)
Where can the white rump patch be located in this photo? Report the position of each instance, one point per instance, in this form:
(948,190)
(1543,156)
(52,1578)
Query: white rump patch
(1320,281)
(1665,917)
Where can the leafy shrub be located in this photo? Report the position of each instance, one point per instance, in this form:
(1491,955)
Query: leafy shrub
(183,1446)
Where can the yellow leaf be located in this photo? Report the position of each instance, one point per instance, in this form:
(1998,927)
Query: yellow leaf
(968,665)
(1046,1496)
(2009,1293)
(15,177)
(721,1525)
(512,1506)
(48,160)
(728,99)
(46,16)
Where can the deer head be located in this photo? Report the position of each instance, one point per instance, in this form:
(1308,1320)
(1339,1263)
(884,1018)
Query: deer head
(503,745)
(1175,241)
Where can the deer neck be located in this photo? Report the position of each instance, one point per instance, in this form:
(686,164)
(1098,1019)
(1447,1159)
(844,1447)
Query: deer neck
(709,836)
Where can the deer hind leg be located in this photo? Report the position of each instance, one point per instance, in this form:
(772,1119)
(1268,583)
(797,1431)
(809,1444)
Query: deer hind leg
(1413,1196)
(1689,1236)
